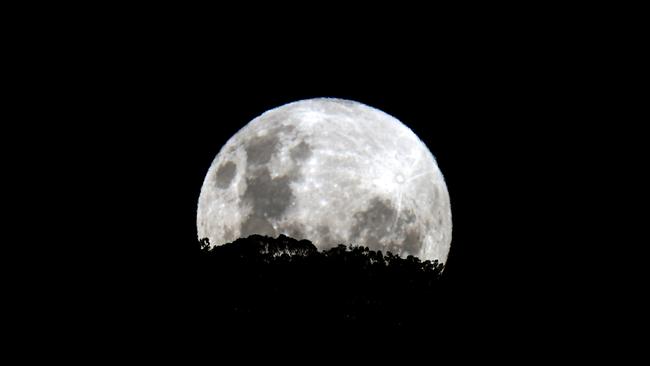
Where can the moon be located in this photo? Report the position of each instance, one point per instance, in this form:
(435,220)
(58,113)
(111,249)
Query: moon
(331,171)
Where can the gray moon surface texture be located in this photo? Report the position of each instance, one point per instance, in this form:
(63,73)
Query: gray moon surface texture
(331,171)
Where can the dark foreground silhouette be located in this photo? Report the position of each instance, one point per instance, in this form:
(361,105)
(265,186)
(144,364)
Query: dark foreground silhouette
(281,294)
(258,281)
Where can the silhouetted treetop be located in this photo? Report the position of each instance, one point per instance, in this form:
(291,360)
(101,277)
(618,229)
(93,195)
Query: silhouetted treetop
(263,280)
(267,249)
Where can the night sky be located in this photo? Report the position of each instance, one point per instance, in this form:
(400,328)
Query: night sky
(498,117)
(166,123)
(122,115)
(508,115)
(487,122)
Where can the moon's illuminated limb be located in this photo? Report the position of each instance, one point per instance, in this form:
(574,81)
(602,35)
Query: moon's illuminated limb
(331,171)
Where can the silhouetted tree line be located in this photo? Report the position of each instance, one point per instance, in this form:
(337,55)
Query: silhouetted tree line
(259,281)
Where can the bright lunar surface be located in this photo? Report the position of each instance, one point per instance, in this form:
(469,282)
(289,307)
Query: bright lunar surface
(331,171)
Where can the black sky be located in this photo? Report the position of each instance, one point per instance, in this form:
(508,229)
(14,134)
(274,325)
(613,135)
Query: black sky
(492,122)
(142,114)
(133,116)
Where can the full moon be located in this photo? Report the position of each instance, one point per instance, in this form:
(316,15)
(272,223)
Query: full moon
(331,171)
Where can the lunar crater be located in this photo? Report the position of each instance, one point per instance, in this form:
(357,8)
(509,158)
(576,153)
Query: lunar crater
(254,224)
(373,223)
(301,152)
(268,196)
(260,150)
(225,174)
(412,242)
